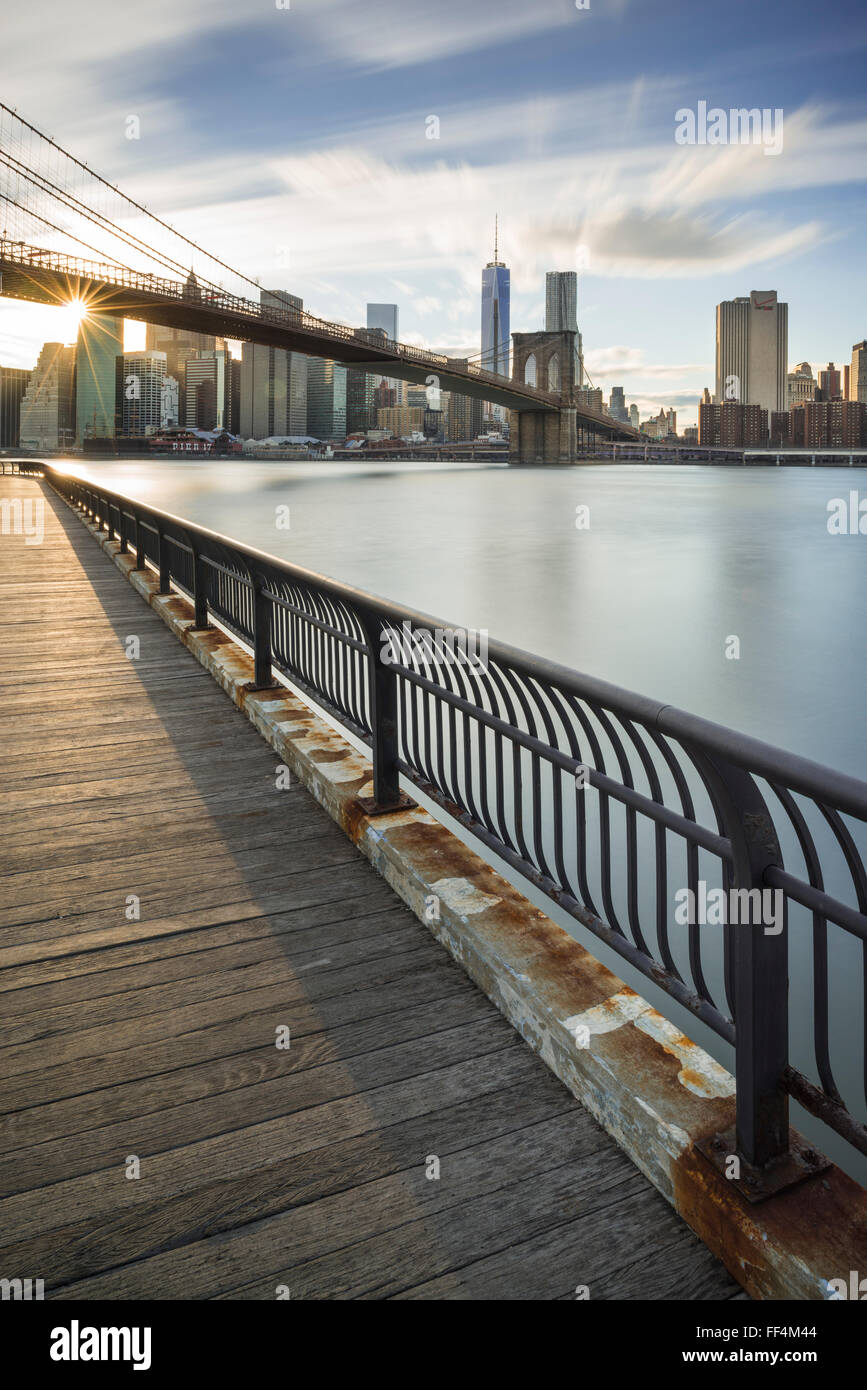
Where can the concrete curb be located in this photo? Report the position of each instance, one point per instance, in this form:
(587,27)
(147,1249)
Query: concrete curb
(656,1092)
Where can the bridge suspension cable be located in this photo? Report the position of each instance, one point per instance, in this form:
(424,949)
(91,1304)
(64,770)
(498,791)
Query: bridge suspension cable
(43,186)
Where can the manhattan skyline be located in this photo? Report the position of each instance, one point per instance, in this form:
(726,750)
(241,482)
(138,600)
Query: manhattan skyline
(314,169)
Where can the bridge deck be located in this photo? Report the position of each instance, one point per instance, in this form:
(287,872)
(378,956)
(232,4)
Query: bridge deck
(259,1167)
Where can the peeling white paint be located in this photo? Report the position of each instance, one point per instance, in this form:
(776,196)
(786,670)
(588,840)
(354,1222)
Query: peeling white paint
(619,1009)
(701,1074)
(462,897)
(337,770)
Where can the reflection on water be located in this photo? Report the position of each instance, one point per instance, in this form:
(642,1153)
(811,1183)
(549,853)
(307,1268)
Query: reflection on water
(675,564)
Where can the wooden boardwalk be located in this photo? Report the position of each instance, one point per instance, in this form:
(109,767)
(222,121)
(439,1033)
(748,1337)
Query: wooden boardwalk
(260,1168)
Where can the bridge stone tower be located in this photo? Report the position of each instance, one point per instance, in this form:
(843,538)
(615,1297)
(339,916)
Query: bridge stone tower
(549,361)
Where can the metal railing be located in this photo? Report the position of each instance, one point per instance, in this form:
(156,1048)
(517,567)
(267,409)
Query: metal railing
(612,804)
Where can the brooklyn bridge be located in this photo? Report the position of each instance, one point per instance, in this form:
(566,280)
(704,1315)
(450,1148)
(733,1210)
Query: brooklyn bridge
(68,235)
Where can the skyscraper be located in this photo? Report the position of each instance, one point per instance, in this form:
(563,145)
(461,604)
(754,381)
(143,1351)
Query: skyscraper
(326,399)
(178,344)
(752,351)
(464,418)
(830,383)
(97,407)
(142,393)
(13,383)
(48,404)
(617,405)
(495,313)
(272,393)
(561,311)
(385,317)
(858,373)
(207,390)
(360,409)
(561,301)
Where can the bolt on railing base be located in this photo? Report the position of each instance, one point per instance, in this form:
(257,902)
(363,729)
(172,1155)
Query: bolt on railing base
(255,687)
(371,807)
(757,1184)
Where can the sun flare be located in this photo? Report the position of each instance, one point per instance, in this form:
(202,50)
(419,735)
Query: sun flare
(74,311)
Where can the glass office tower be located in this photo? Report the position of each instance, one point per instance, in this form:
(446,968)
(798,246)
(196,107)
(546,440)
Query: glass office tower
(495,315)
(100,344)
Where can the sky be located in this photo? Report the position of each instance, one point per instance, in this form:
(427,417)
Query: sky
(293,139)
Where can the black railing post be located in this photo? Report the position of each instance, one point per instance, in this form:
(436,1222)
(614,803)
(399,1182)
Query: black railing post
(382,691)
(124,543)
(200,590)
(262,677)
(165,565)
(138,541)
(760,948)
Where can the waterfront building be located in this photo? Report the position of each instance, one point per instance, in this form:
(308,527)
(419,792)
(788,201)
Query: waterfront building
(464,418)
(272,383)
(360,407)
(752,351)
(207,384)
(834,424)
(142,393)
(401,420)
(326,399)
(732,425)
(98,363)
(780,428)
(496,341)
(47,418)
(13,384)
(633,416)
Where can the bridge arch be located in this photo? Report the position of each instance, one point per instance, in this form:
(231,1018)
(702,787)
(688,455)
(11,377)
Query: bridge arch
(530,370)
(554,372)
